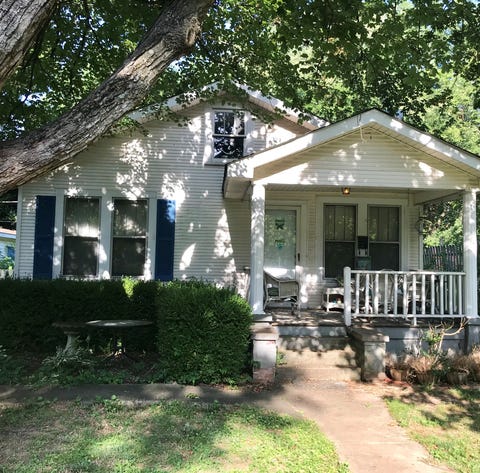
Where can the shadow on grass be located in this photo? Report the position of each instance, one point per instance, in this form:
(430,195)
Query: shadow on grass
(110,436)
(460,406)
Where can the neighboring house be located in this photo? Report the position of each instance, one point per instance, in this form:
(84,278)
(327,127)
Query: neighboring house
(7,243)
(229,194)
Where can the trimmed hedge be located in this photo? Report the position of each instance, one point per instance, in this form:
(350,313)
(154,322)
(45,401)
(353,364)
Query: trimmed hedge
(203,332)
(29,307)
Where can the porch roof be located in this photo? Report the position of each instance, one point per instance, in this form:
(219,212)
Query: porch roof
(260,166)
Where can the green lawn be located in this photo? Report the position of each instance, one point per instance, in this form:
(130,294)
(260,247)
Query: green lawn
(446,421)
(174,436)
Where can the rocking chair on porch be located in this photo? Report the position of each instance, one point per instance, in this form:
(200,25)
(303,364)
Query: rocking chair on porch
(278,290)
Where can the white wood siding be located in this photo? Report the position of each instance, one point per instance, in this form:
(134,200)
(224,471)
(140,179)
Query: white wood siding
(172,162)
(212,238)
(371,159)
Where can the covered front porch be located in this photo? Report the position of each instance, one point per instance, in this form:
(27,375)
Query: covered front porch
(355,191)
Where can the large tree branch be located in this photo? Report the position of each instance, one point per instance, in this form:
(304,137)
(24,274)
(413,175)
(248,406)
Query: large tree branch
(21,22)
(172,35)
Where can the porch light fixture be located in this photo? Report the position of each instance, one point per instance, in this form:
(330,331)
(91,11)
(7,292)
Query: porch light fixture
(346,190)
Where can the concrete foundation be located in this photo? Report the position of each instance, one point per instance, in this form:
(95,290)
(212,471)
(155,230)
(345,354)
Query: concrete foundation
(370,349)
(264,338)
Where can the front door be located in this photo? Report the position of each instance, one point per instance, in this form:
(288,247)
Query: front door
(281,241)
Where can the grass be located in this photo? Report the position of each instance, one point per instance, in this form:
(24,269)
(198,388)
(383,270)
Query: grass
(446,421)
(169,436)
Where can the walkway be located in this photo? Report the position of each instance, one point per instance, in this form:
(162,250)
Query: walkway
(352,415)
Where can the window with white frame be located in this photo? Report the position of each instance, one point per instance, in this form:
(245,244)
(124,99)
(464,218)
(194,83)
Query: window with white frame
(129,237)
(81,236)
(228,134)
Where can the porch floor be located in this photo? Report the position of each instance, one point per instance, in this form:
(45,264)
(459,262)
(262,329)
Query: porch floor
(318,317)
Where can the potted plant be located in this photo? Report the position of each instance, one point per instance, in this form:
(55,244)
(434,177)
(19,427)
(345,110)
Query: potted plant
(458,369)
(397,367)
(424,366)
(474,364)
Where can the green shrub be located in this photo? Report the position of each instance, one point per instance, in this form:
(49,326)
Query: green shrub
(29,307)
(6,263)
(141,306)
(203,332)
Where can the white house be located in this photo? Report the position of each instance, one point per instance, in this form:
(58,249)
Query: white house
(7,243)
(229,195)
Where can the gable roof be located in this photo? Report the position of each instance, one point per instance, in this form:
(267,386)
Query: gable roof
(240,173)
(271,105)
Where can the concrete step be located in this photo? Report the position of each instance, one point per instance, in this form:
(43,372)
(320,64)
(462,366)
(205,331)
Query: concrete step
(311,343)
(300,330)
(317,365)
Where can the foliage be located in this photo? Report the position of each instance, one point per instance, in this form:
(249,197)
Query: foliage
(339,58)
(27,313)
(6,263)
(14,369)
(83,44)
(110,436)
(454,113)
(203,332)
(68,360)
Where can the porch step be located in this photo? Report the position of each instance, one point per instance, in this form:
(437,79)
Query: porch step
(299,343)
(307,364)
(299,330)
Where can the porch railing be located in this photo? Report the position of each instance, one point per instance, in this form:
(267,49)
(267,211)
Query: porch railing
(407,294)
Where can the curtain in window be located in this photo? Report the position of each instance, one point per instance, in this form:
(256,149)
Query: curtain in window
(81,235)
(129,237)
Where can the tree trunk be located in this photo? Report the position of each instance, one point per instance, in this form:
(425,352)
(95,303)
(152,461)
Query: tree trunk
(172,35)
(20,23)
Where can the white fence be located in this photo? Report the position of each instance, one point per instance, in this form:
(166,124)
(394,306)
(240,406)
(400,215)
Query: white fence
(407,294)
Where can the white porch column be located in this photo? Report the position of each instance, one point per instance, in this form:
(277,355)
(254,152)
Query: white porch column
(257,230)
(470,252)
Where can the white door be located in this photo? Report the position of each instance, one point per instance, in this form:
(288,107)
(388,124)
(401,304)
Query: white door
(281,241)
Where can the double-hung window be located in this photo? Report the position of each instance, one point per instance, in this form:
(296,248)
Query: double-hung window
(340,234)
(81,236)
(129,237)
(384,236)
(228,134)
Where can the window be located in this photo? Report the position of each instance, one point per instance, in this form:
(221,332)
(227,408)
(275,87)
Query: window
(340,232)
(81,236)
(11,252)
(228,134)
(384,233)
(129,237)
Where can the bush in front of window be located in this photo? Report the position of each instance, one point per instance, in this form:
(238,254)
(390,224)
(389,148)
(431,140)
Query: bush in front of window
(203,332)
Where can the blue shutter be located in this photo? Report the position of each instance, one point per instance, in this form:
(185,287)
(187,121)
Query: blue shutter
(165,240)
(44,232)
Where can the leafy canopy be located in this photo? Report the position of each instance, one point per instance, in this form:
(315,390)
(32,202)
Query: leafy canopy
(332,58)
